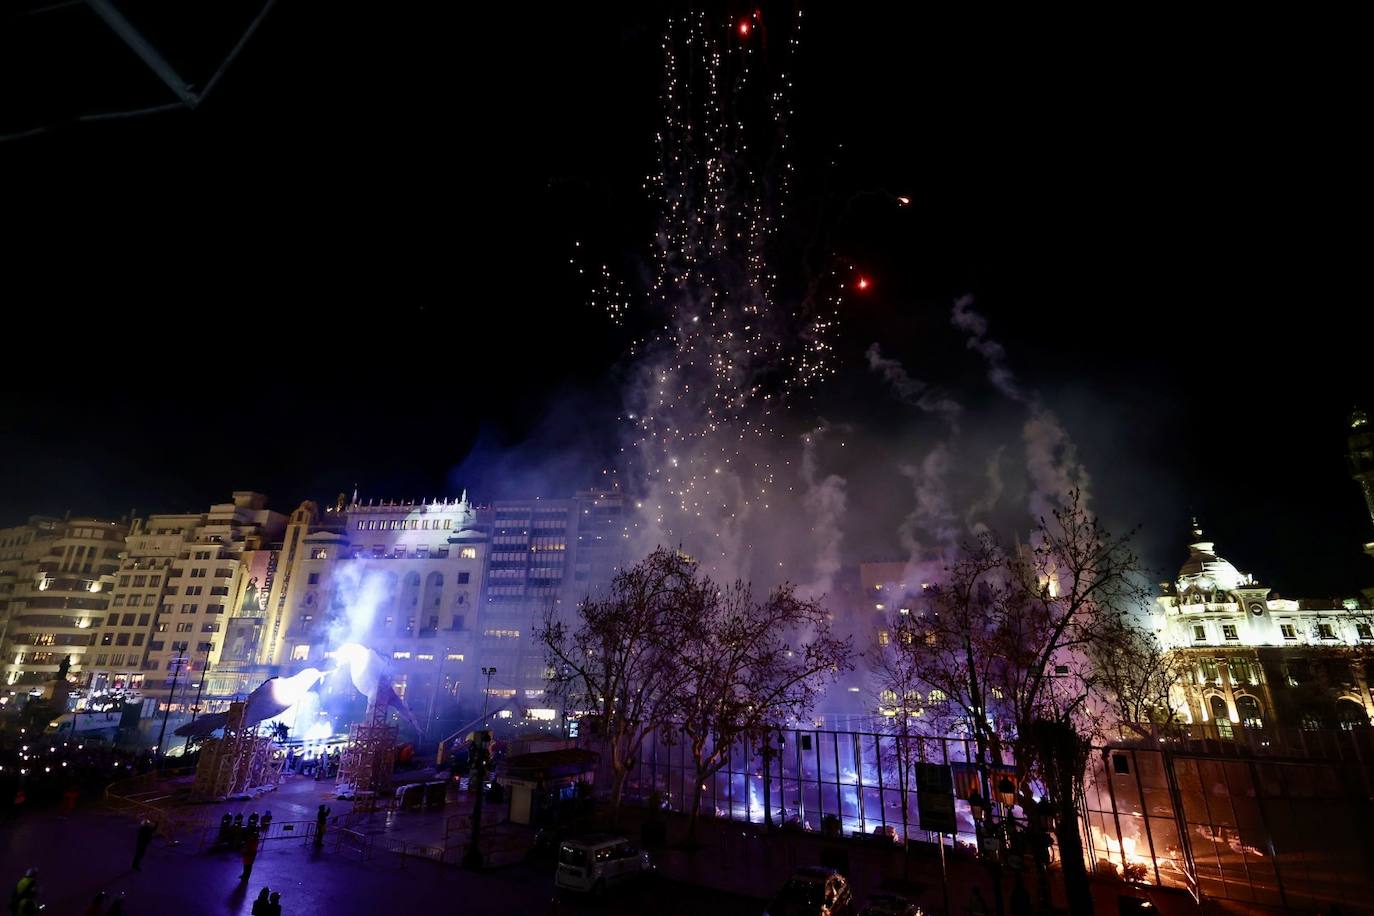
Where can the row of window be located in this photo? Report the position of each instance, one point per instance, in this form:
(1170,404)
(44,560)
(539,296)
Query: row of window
(1230,633)
(190,628)
(1241,671)
(140,581)
(405,524)
(191,608)
(401,551)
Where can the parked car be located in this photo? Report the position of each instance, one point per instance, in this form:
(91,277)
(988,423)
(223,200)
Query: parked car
(889,905)
(814,890)
(597,862)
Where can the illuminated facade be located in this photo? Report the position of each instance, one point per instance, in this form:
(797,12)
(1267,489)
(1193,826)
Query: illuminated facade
(1258,661)
(546,554)
(172,595)
(400,577)
(441,588)
(56,577)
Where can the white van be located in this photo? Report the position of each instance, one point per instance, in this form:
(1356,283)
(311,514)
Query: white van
(598,861)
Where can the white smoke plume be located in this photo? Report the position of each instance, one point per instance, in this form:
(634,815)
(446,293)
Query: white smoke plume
(1051,458)
(825,500)
(912,390)
(932,528)
(357,596)
(983,505)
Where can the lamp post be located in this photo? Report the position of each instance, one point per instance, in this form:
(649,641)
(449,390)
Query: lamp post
(171,694)
(195,708)
(989,844)
(1041,823)
(481,741)
(769,753)
(434,694)
(488,673)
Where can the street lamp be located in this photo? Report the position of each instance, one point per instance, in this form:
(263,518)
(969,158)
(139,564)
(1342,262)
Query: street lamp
(481,749)
(176,672)
(204,673)
(434,694)
(989,842)
(488,673)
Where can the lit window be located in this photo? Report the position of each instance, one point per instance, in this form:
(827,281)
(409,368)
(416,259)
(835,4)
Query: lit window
(424,658)
(454,657)
(938,696)
(300,653)
(1324,631)
(1363,631)
(400,654)
(1228,630)
(884,637)
(467,553)
(1289,631)
(1200,633)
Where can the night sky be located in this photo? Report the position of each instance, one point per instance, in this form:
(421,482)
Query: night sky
(351,263)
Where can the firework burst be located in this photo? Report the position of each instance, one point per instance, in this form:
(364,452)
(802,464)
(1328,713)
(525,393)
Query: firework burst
(724,356)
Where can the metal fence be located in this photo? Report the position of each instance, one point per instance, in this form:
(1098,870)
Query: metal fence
(1232,824)
(812,775)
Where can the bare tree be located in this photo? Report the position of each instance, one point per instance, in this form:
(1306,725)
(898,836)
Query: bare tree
(1008,647)
(1074,589)
(899,689)
(749,667)
(951,642)
(1074,593)
(620,661)
(1139,677)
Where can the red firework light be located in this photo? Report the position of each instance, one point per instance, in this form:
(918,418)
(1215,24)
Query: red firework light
(862,284)
(744,28)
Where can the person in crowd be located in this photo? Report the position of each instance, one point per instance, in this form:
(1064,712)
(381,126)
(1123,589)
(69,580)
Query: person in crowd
(144,838)
(250,854)
(321,820)
(26,887)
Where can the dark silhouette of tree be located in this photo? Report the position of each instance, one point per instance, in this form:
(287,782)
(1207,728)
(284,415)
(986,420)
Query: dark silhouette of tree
(748,667)
(618,661)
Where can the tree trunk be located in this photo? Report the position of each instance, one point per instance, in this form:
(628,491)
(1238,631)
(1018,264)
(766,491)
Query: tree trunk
(618,777)
(1076,886)
(767,793)
(692,815)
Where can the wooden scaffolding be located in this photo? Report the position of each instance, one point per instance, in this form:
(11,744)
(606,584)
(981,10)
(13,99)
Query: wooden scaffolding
(240,763)
(367,760)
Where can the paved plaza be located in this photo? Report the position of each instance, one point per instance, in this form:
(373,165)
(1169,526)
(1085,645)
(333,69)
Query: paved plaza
(93,850)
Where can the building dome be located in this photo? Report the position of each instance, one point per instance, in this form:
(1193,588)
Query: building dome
(1204,570)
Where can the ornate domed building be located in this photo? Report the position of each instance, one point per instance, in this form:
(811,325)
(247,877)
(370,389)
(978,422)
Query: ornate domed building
(1258,661)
